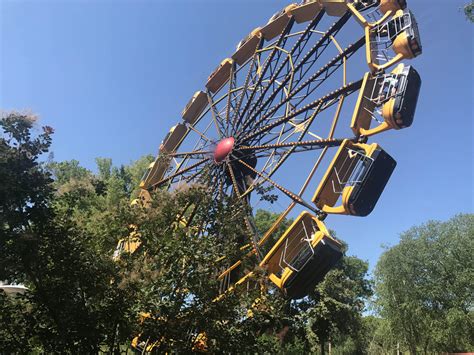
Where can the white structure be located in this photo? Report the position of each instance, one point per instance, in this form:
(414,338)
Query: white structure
(12,290)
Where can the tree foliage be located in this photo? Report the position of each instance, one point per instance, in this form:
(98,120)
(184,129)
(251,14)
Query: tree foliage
(425,286)
(469,11)
(333,312)
(71,305)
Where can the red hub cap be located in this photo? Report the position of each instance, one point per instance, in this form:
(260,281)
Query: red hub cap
(223,149)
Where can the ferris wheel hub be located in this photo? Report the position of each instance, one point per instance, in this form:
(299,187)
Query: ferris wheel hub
(223,149)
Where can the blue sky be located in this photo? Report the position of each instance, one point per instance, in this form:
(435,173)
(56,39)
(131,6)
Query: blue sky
(113,76)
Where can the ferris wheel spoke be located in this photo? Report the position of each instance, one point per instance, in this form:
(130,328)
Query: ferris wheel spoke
(186,154)
(245,87)
(283,134)
(201,134)
(220,192)
(325,102)
(244,91)
(287,192)
(319,77)
(266,66)
(215,116)
(287,153)
(271,157)
(297,46)
(326,38)
(232,82)
(180,172)
(317,143)
(325,72)
(192,176)
(234,180)
(279,139)
(248,222)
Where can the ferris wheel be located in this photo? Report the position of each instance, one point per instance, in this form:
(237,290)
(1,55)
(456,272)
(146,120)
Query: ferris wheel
(290,113)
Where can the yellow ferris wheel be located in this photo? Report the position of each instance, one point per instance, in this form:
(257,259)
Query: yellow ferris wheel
(293,110)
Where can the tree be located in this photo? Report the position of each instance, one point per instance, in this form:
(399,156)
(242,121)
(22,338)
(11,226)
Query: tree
(425,288)
(71,304)
(264,220)
(333,312)
(469,11)
(378,336)
(25,190)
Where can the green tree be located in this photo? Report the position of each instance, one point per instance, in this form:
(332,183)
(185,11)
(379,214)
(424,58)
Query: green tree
(333,312)
(73,303)
(25,189)
(378,336)
(469,11)
(425,286)
(264,220)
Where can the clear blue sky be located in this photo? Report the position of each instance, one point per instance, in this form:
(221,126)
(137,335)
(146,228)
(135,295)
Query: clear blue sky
(113,76)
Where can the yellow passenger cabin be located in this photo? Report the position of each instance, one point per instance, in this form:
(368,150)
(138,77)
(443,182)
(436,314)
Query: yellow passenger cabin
(382,7)
(399,33)
(302,256)
(335,7)
(247,47)
(306,11)
(394,96)
(195,107)
(392,5)
(277,23)
(220,75)
(173,139)
(128,244)
(370,13)
(155,172)
(355,178)
(146,174)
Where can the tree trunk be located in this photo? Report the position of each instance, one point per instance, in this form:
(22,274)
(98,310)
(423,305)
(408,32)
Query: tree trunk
(321,345)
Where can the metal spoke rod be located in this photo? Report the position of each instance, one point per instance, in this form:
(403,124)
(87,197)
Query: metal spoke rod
(215,114)
(325,69)
(265,68)
(245,88)
(196,152)
(178,173)
(288,193)
(326,37)
(320,143)
(346,90)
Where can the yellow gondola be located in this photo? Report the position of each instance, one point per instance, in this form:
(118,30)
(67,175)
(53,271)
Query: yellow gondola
(393,95)
(399,33)
(302,256)
(335,7)
(357,177)
(247,47)
(220,76)
(277,23)
(195,107)
(306,11)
